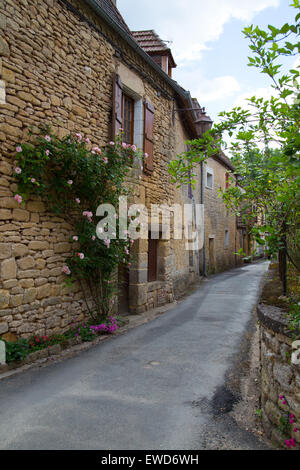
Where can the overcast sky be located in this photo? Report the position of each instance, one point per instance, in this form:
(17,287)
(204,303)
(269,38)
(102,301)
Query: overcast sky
(207,43)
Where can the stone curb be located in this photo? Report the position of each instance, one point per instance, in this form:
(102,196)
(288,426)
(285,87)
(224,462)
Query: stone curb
(272,318)
(56,354)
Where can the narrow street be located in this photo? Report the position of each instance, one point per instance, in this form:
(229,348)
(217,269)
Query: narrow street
(155,387)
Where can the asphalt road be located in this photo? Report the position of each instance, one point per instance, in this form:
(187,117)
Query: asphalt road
(156,387)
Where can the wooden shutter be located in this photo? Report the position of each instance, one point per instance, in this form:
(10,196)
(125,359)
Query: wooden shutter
(117,105)
(148,135)
(226,180)
(152,259)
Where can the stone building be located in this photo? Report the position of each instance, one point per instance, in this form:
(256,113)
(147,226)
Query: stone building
(76,66)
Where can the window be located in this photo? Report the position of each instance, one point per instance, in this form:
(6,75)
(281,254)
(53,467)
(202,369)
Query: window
(152,259)
(128,118)
(209,178)
(136,117)
(226,238)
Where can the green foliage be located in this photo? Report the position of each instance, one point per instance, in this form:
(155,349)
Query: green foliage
(265,146)
(284,426)
(294,317)
(73,179)
(16,351)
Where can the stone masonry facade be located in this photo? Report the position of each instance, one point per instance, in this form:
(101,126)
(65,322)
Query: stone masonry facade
(57,63)
(57,69)
(280,377)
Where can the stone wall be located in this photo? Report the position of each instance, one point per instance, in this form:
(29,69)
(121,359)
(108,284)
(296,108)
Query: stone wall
(56,68)
(218,219)
(279,376)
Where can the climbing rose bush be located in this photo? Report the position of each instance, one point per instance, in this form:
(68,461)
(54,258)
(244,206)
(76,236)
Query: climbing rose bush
(73,177)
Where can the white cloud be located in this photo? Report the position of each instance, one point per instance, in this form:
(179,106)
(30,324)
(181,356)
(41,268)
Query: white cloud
(208,90)
(263,92)
(189,24)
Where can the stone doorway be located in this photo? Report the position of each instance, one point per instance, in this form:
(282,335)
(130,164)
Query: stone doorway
(123,285)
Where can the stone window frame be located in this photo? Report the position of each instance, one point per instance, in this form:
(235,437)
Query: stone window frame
(226,243)
(138,125)
(209,172)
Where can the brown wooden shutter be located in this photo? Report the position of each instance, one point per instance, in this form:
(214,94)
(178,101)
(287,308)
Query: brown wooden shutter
(117,105)
(148,135)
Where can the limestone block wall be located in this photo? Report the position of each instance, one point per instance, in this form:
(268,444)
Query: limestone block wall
(220,256)
(55,68)
(280,377)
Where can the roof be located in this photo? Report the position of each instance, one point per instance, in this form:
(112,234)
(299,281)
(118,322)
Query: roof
(110,8)
(109,13)
(152,43)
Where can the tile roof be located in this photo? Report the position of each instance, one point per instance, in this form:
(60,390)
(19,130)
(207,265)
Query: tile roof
(151,43)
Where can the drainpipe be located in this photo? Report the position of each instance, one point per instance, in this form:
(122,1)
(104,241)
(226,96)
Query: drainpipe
(202,202)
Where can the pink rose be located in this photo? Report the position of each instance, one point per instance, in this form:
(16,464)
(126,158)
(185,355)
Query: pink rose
(81,255)
(146,155)
(133,148)
(66,270)
(75,238)
(111,143)
(48,138)
(18,198)
(93,238)
(87,140)
(47,152)
(124,145)
(70,182)
(105,159)
(79,136)
(19,149)
(77,200)
(33,180)
(18,170)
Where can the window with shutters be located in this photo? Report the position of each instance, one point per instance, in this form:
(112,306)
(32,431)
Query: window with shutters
(148,136)
(135,116)
(128,119)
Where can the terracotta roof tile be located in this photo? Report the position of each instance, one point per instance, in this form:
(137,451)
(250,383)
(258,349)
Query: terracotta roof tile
(151,43)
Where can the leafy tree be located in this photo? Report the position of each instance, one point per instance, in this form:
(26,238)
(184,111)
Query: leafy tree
(265,145)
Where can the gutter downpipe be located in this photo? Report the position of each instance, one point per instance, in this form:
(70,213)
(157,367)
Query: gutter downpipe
(202,202)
